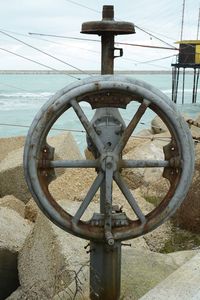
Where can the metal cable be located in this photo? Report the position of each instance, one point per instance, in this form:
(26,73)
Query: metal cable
(46,40)
(41,51)
(151,138)
(141,29)
(56,129)
(96,40)
(38,63)
(84,6)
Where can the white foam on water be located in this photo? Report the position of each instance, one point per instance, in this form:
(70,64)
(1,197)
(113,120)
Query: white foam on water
(23,101)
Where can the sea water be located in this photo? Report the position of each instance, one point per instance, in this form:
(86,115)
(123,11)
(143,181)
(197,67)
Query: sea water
(22,95)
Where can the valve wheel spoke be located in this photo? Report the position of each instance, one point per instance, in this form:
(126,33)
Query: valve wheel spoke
(128,163)
(108,202)
(131,126)
(87,125)
(131,200)
(92,191)
(73,164)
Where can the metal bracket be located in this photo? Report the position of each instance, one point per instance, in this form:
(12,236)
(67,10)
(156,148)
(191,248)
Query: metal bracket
(47,154)
(120,52)
(109,98)
(118,219)
(172,155)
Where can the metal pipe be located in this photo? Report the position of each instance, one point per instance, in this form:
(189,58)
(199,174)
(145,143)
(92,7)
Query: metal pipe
(183,88)
(173,83)
(72,164)
(107,53)
(105,271)
(105,259)
(194,84)
(107,42)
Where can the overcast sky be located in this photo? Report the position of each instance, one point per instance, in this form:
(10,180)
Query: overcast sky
(161,18)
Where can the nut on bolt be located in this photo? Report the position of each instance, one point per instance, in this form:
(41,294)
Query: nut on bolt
(109,238)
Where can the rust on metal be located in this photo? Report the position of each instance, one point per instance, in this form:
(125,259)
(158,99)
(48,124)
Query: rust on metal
(107,28)
(109,98)
(108,24)
(46,155)
(171,154)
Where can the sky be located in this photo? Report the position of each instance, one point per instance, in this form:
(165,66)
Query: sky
(160,18)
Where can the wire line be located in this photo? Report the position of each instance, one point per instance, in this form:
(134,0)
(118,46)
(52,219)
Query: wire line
(143,30)
(84,6)
(26,126)
(37,49)
(38,63)
(95,40)
(151,138)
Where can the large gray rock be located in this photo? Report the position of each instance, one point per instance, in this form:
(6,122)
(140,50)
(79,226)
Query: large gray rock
(52,263)
(197,119)
(158,126)
(9,144)
(13,232)
(195,131)
(65,146)
(31,210)
(12,181)
(13,229)
(72,183)
(13,203)
(49,260)
(142,270)
(183,284)
(151,149)
(188,215)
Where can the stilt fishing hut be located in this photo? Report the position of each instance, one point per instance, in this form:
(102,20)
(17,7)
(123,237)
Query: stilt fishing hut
(188,58)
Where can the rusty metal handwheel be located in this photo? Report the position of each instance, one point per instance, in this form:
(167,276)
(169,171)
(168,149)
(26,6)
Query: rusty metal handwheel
(116,92)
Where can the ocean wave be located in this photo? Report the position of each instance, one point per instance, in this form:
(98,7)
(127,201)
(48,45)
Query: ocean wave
(20,104)
(23,100)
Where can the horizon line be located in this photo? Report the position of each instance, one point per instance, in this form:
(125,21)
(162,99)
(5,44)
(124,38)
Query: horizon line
(60,72)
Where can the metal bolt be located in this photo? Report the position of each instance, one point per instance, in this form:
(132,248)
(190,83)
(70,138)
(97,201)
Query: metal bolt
(111,242)
(127,245)
(85,247)
(109,165)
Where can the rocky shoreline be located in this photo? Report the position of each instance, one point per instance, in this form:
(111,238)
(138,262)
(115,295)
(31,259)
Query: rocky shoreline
(40,261)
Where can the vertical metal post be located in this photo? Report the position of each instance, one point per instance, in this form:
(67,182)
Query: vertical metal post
(107,43)
(107,53)
(194,85)
(105,260)
(197,83)
(105,271)
(105,256)
(183,86)
(175,82)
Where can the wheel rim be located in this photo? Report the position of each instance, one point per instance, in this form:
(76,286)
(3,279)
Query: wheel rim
(45,119)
